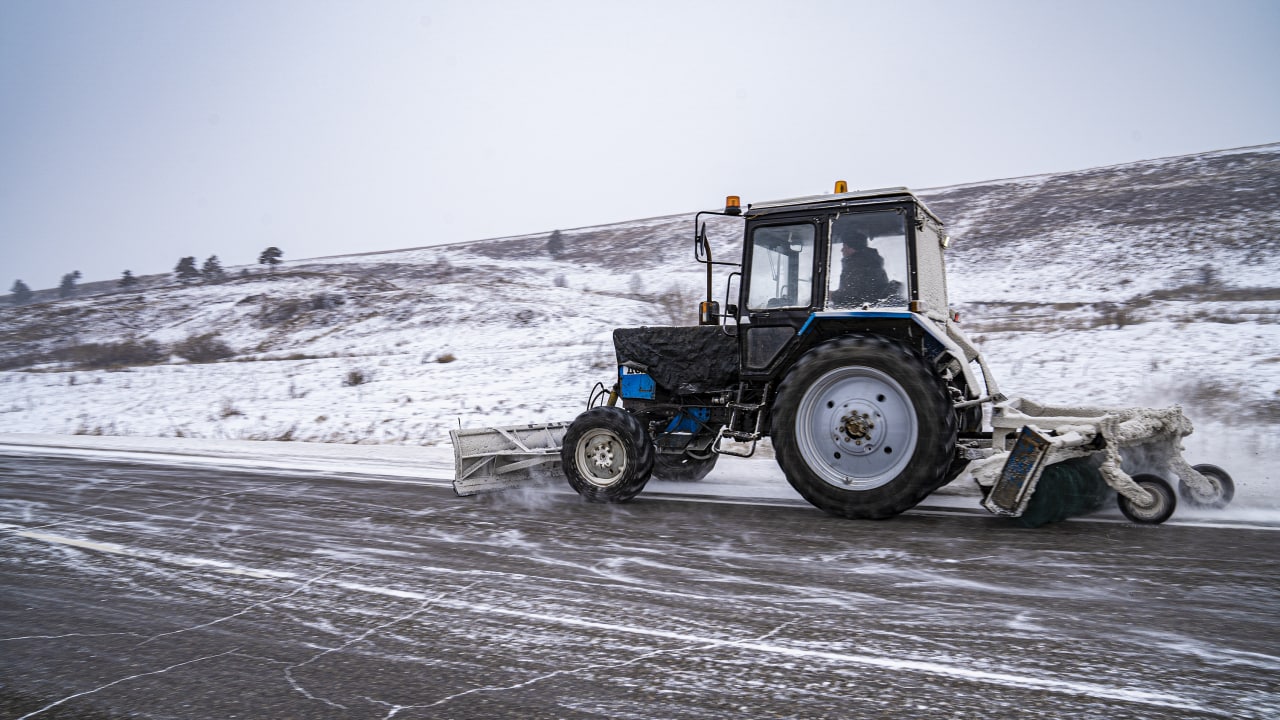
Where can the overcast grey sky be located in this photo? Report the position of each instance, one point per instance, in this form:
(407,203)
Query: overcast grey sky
(135,132)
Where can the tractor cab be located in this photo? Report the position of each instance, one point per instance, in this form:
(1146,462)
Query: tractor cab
(813,265)
(848,251)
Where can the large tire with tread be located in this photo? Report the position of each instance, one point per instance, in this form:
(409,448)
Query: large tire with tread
(607,455)
(863,428)
(968,420)
(682,468)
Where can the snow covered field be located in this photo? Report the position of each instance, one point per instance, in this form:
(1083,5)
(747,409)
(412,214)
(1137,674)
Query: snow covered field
(510,372)
(395,349)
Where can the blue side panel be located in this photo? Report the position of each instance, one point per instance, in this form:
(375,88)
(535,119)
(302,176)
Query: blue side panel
(931,330)
(856,314)
(688,419)
(636,385)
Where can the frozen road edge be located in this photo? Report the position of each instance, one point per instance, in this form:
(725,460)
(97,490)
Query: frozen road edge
(757,483)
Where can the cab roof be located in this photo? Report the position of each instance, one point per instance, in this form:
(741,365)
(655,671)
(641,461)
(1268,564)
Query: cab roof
(836,200)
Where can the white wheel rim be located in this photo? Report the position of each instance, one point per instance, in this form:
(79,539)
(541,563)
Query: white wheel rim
(601,457)
(1159,502)
(856,428)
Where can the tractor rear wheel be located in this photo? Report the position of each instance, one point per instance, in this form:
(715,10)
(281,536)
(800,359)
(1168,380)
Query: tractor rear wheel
(607,455)
(682,468)
(862,428)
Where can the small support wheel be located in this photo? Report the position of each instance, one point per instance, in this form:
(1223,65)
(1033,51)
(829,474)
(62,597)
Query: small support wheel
(607,455)
(1163,503)
(1224,489)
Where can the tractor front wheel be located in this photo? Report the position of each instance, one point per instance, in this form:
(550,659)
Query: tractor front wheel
(607,455)
(862,428)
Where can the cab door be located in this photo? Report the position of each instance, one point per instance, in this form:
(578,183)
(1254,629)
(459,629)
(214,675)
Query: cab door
(781,287)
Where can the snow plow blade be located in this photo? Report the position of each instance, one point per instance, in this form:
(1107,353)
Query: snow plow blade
(496,458)
(1021,472)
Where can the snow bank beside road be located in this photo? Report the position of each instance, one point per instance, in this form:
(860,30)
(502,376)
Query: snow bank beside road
(756,480)
(425,463)
(757,477)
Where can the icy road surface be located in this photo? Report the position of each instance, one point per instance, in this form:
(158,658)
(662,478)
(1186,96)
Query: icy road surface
(197,592)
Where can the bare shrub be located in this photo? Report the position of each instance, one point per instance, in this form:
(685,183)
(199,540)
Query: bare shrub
(677,305)
(326,301)
(1116,314)
(13,362)
(105,355)
(1267,410)
(1211,396)
(204,348)
(355,377)
(281,311)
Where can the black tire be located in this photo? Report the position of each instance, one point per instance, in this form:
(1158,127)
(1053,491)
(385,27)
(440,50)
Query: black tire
(682,468)
(956,467)
(1159,511)
(607,455)
(968,420)
(862,428)
(1223,485)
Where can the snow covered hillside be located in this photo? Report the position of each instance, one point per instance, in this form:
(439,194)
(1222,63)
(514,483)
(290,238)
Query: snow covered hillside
(1150,283)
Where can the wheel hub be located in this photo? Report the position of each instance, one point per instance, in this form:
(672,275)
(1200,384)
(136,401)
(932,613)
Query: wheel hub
(602,455)
(856,428)
(860,427)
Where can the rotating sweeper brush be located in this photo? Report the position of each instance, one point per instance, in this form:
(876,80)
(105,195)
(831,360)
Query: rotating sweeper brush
(841,348)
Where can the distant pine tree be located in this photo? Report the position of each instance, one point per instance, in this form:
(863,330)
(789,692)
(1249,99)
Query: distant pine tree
(271,258)
(21,293)
(555,244)
(67,287)
(212,270)
(186,270)
(127,279)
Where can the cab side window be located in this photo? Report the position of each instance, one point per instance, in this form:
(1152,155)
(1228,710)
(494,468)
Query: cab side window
(781,266)
(868,261)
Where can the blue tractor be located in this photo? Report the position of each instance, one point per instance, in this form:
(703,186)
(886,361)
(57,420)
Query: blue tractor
(839,347)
